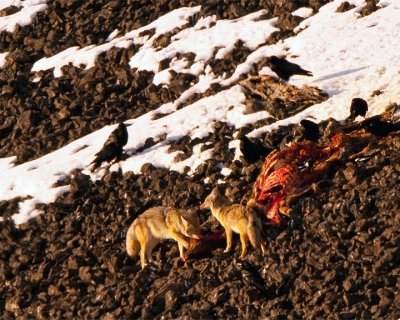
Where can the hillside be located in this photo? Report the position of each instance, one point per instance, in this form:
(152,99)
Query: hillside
(190,80)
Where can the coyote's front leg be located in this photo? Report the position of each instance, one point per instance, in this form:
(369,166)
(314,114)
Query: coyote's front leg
(182,242)
(228,232)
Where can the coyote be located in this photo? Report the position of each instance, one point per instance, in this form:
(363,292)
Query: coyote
(236,218)
(161,223)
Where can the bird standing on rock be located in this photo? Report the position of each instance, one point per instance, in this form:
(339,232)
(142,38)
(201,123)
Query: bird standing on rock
(113,147)
(311,130)
(380,127)
(358,107)
(285,69)
(253,151)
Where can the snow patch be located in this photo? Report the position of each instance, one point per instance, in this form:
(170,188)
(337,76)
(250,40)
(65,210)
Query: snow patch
(36,178)
(23,17)
(349,57)
(303,12)
(226,171)
(3,59)
(87,55)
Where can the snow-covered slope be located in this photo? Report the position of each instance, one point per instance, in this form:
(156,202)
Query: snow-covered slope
(349,55)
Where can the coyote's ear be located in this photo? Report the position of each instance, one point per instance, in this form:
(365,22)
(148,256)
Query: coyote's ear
(219,190)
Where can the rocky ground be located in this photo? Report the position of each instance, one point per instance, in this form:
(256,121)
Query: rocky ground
(337,259)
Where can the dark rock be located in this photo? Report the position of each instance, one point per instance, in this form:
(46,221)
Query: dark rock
(287,22)
(347,315)
(80,184)
(349,173)
(28,119)
(345,6)
(219,296)
(7,11)
(370,7)
(349,284)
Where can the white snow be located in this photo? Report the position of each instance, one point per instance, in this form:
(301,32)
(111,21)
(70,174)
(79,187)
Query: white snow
(3,59)
(196,120)
(203,41)
(349,56)
(29,9)
(87,55)
(226,171)
(234,144)
(6,163)
(36,178)
(303,12)
(112,35)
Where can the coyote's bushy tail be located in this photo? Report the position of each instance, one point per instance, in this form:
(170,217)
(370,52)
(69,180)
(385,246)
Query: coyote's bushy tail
(132,243)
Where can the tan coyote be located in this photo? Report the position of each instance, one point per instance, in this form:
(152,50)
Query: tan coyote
(235,218)
(161,223)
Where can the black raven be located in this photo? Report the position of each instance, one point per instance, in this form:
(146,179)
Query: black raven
(285,69)
(358,107)
(379,127)
(253,151)
(311,130)
(113,147)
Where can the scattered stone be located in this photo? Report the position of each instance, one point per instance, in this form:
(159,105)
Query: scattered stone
(370,7)
(345,6)
(280,99)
